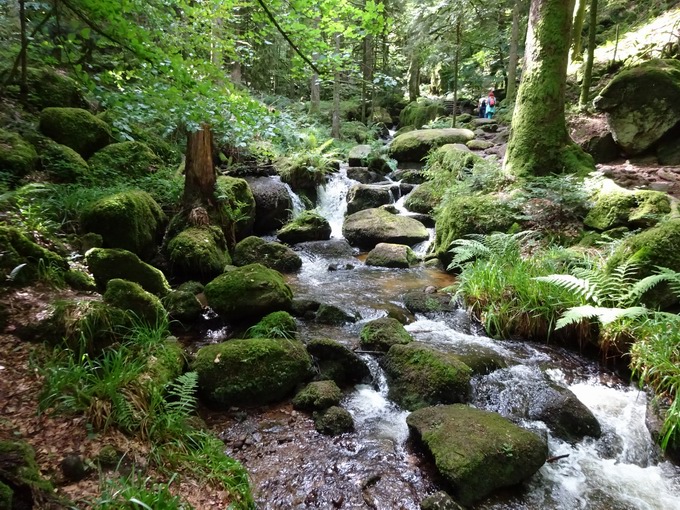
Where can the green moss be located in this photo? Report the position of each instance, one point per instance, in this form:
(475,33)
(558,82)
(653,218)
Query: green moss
(451,161)
(17,156)
(333,421)
(617,207)
(414,145)
(272,255)
(419,113)
(381,334)
(337,363)
(131,220)
(274,325)
(132,297)
(420,376)
(248,292)
(167,363)
(199,252)
(125,159)
(19,470)
(62,163)
(424,198)
(317,396)
(50,87)
(652,206)
(333,315)
(79,280)
(237,205)
(392,255)
(107,264)
(6,494)
(17,249)
(183,306)
(357,131)
(250,372)
(307,226)
(193,287)
(369,227)
(75,128)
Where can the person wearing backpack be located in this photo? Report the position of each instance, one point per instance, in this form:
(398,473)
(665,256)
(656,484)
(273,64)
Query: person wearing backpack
(482,107)
(490,105)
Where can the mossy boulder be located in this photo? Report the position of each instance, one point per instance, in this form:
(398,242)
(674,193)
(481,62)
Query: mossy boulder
(76,128)
(421,376)
(317,396)
(368,196)
(479,145)
(270,254)
(132,297)
(183,306)
(21,258)
(357,131)
(333,421)
(476,452)
(62,164)
(333,315)
(418,301)
(274,325)
(418,113)
(125,159)
(273,204)
(247,292)
(369,227)
(198,253)
(106,264)
(307,226)
(51,87)
(642,103)
(338,363)
(167,362)
(423,199)
(250,372)
(397,256)
(130,220)
(414,145)
(381,334)
(21,482)
(237,205)
(17,156)
(80,280)
(359,154)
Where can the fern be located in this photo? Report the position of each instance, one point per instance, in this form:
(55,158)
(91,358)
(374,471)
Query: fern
(604,315)
(182,395)
(581,287)
(479,246)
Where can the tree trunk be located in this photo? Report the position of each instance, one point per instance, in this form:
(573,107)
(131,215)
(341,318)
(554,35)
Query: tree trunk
(588,73)
(513,57)
(577,49)
(335,122)
(539,142)
(414,77)
(315,94)
(200,175)
(456,63)
(23,82)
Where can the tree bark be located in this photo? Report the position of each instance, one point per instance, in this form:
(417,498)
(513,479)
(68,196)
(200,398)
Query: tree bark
(456,63)
(335,122)
(23,82)
(414,77)
(580,16)
(200,175)
(367,68)
(513,57)
(539,142)
(588,72)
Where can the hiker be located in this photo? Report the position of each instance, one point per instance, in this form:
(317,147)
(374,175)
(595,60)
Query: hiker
(482,107)
(490,105)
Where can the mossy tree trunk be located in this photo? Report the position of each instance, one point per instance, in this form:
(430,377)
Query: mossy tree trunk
(200,175)
(539,142)
(513,56)
(588,72)
(579,17)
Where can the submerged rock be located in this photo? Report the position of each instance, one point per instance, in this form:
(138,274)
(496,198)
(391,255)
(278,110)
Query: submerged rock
(381,334)
(334,421)
(372,226)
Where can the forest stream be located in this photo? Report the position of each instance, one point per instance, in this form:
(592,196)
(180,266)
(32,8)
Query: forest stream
(377,466)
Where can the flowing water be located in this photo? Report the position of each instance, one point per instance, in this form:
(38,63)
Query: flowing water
(377,467)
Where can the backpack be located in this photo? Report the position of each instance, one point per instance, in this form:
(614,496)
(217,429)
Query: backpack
(492,101)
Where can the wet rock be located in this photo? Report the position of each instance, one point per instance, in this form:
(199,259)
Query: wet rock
(420,376)
(439,501)
(317,396)
(654,419)
(369,227)
(333,421)
(410,175)
(423,199)
(364,175)
(368,196)
(272,204)
(422,302)
(381,334)
(304,308)
(358,155)
(332,249)
(414,145)
(338,363)
(476,452)
(333,315)
(275,256)
(392,256)
(183,306)
(308,226)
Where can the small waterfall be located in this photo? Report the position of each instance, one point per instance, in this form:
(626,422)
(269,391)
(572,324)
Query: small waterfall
(331,200)
(298,205)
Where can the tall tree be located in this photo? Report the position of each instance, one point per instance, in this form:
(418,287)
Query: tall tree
(579,17)
(588,72)
(513,56)
(539,142)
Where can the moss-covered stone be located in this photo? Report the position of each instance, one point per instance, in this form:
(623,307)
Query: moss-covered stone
(372,226)
(417,301)
(423,199)
(6,494)
(479,145)
(307,226)
(107,264)
(338,363)
(397,256)
(132,297)
(272,255)
(192,286)
(250,291)
(80,280)
(274,325)
(199,253)
(475,451)
(357,131)
(75,128)
(131,220)
(17,156)
(359,154)
(62,164)
(421,376)
(51,87)
(418,113)
(183,306)
(20,473)
(250,372)
(333,421)
(381,334)
(167,362)
(317,396)
(125,159)
(237,205)
(333,315)
(414,145)
(21,258)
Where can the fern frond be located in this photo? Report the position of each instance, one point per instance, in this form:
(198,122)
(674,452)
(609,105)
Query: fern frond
(466,250)
(642,286)
(581,287)
(182,393)
(604,315)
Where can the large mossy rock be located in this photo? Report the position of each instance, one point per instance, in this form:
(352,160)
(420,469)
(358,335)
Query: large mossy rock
(106,264)
(418,113)
(307,226)
(130,220)
(333,421)
(51,87)
(75,128)
(619,207)
(475,451)
(369,227)
(270,254)
(381,334)
(338,363)
(21,483)
(420,376)
(397,256)
(250,372)
(248,292)
(62,164)
(318,395)
(20,257)
(274,325)
(358,155)
(273,204)
(423,199)
(642,104)
(237,205)
(126,159)
(132,297)
(199,253)
(183,306)
(414,145)
(17,156)
(368,196)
